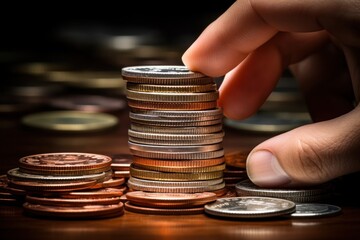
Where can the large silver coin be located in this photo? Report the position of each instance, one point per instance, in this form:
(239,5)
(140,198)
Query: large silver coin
(160,71)
(250,207)
(315,210)
(298,195)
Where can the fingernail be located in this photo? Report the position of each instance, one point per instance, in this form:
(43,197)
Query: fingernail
(264,170)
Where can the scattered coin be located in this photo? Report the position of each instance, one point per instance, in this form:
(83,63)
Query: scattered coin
(315,210)
(88,103)
(299,195)
(250,207)
(270,122)
(70,121)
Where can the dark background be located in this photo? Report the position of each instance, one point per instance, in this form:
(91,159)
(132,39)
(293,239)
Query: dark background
(35,26)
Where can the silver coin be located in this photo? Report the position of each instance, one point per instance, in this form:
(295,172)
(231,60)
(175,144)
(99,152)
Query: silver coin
(17,174)
(160,71)
(250,207)
(315,210)
(270,122)
(298,195)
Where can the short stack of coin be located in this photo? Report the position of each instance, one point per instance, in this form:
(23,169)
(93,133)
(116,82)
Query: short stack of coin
(176,130)
(235,170)
(52,184)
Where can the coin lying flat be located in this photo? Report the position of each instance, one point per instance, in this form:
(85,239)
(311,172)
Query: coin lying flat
(250,207)
(270,122)
(315,210)
(88,103)
(70,121)
(299,195)
(88,211)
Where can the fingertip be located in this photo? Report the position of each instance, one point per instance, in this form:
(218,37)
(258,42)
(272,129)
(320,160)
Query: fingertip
(264,169)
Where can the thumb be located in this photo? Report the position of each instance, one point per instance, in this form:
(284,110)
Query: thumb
(308,155)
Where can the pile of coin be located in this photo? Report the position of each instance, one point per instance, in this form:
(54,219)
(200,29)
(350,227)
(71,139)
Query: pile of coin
(176,130)
(70,185)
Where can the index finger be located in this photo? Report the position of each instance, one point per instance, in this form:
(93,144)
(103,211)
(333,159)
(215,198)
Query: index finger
(247,25)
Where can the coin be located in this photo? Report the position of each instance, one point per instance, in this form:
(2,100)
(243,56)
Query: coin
(270,122)
(88,103)
(87,211)
(298,195)
(160,71)
(236,158)
(163,211)
(121,162)
(250,207)
(70,121)
(155,199)
(95,193)
(315,210)
(60,161)
(16,174)
(71,202)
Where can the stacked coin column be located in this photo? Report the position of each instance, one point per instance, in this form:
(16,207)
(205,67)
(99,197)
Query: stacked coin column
(176,130)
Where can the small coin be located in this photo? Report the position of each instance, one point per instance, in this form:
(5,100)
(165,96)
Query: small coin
(163,211)
(88,211)
(95,193)
(315,210)
(250,207)
(121,161)
(70,121)
(88,103)
(269,122)
(236,158)
(141,196)
(171,88)
(71,202)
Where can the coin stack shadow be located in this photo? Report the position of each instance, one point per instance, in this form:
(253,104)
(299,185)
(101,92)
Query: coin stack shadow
(176,130)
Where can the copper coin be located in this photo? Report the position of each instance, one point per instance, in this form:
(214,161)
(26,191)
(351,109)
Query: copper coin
(98,193)
(65,161)
(170,200)
(140,196)
(121,162)
(71,202)
(113,182)
(51,187)
(236,158)
(163,211)
(235,173)
(88,211)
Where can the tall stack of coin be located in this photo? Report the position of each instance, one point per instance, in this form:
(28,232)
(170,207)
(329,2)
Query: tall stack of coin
(176,130)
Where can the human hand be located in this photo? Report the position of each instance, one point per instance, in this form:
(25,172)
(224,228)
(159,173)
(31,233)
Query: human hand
(252,43)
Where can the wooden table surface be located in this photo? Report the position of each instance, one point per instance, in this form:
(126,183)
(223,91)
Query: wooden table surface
(17,141)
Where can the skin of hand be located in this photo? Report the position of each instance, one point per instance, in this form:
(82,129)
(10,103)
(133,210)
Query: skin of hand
(252,43)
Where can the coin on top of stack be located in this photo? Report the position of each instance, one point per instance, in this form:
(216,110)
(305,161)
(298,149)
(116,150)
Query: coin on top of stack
(176,130)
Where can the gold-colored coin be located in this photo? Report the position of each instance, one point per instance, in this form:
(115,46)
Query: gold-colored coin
(70,121)
(176,142)
(146,105)
(172,97)
(174,184)
(154,175)
(187,189)
(171,88)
